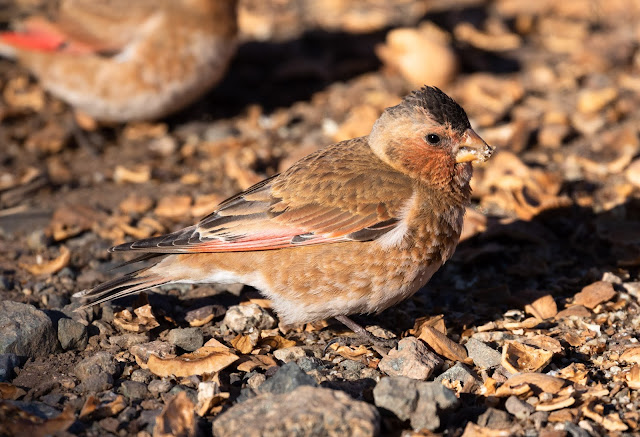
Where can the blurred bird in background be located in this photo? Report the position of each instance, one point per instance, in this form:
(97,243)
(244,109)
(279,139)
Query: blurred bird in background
(121,60)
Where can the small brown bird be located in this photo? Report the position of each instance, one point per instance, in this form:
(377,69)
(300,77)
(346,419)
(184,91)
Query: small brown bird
(121,60)
(355,227)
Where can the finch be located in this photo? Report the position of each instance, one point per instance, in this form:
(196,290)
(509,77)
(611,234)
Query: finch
(353,228)
(121,60)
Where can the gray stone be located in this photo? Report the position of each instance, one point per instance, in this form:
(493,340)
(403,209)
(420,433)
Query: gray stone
(461,373)
(126,341)
(141,375)
(288,354)
(99,363)
(418,401)
(8,362)
(519,408)
(288,378)
(25,331)
(412,359)
(188,339)
(72,334)
(158,386)
(306,411)
(243,318)
(482,355)
(96,383)
(134,390)
(495,419)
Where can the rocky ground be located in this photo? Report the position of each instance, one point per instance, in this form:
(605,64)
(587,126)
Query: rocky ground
(531,329)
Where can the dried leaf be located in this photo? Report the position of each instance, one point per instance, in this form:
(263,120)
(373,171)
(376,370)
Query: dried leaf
(632,377)
(174,207)
(349,352)
(177,418)
(204,360)
(209,396)
(556,403)
(143,321)
(250,362)
(575,372)
(539,382)
(442,344)
(593,295)
(631,355)
(51,267)
(243,343)
(277,342)
(10,391)
(519,358)
(436,322)
(611,421)
(94,409)
(138,175)
(543,308)
(17,422)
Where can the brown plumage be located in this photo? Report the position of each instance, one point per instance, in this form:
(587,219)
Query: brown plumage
(353,228)
(121,60)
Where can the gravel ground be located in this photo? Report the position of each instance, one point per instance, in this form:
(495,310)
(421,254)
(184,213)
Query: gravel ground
(531,329)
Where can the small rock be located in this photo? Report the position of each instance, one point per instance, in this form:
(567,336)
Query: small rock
(287,378)
(96,383)
(519,408)
(242,318)
(288,354)
(412,359)
(100,362)
(494,419)
(72,334)
(7,363)
(25,331)
(462,374)
(418,401)
(141,375)
(126,341)
(134,390)
(158,386)
(188,339)
(482,355)
(308,411)
(158,348)
(308,364)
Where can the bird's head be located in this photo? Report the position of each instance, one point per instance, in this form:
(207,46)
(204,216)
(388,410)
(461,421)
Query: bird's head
(429,138)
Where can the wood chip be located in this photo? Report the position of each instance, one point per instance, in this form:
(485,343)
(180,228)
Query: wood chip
(276,342)
(94,409)
(632,377)
(177,418)
(137,175)
(544,342)
(436,322)
(473,430)
(543,308)
(10,391)
(539,382)
(15,421)
(574,311)
(593,295)
(442,344)
(141,320)
(136,204)
(243,343)
(50,267)
(248,363)
(519,358)
(575,372)
(556,403)
(595,412)
(204,360)
(631,355)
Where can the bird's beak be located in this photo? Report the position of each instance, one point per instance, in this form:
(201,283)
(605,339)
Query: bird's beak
(473,148)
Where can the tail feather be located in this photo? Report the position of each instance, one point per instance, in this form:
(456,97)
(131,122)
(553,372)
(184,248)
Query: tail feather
(131,283)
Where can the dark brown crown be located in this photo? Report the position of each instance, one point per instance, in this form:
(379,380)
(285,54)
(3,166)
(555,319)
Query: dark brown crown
(442,108)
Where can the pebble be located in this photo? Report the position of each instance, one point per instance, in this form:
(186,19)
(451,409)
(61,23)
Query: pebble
(96,383)
(461,373)
(134,390)
(26,331)
(519,408)
(412,359)
(7,363)
(243,318)
(188,339)
(100,363)
(302,412)
(418,401)
(126,341)
(288,378)
(158,386)
(494,419)
(288,354)
(72,334)
(141,375)
(482,355)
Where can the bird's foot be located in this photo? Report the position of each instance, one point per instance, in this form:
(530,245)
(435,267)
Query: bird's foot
(380,345)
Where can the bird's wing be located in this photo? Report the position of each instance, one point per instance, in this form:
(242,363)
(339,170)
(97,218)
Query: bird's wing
(341,193)
(83,26)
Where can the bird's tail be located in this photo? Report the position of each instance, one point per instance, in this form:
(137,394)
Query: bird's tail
(130,283)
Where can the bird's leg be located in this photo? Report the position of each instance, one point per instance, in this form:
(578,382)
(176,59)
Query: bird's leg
(381,345)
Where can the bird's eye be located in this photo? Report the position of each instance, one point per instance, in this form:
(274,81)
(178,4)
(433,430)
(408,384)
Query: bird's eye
(433,138)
